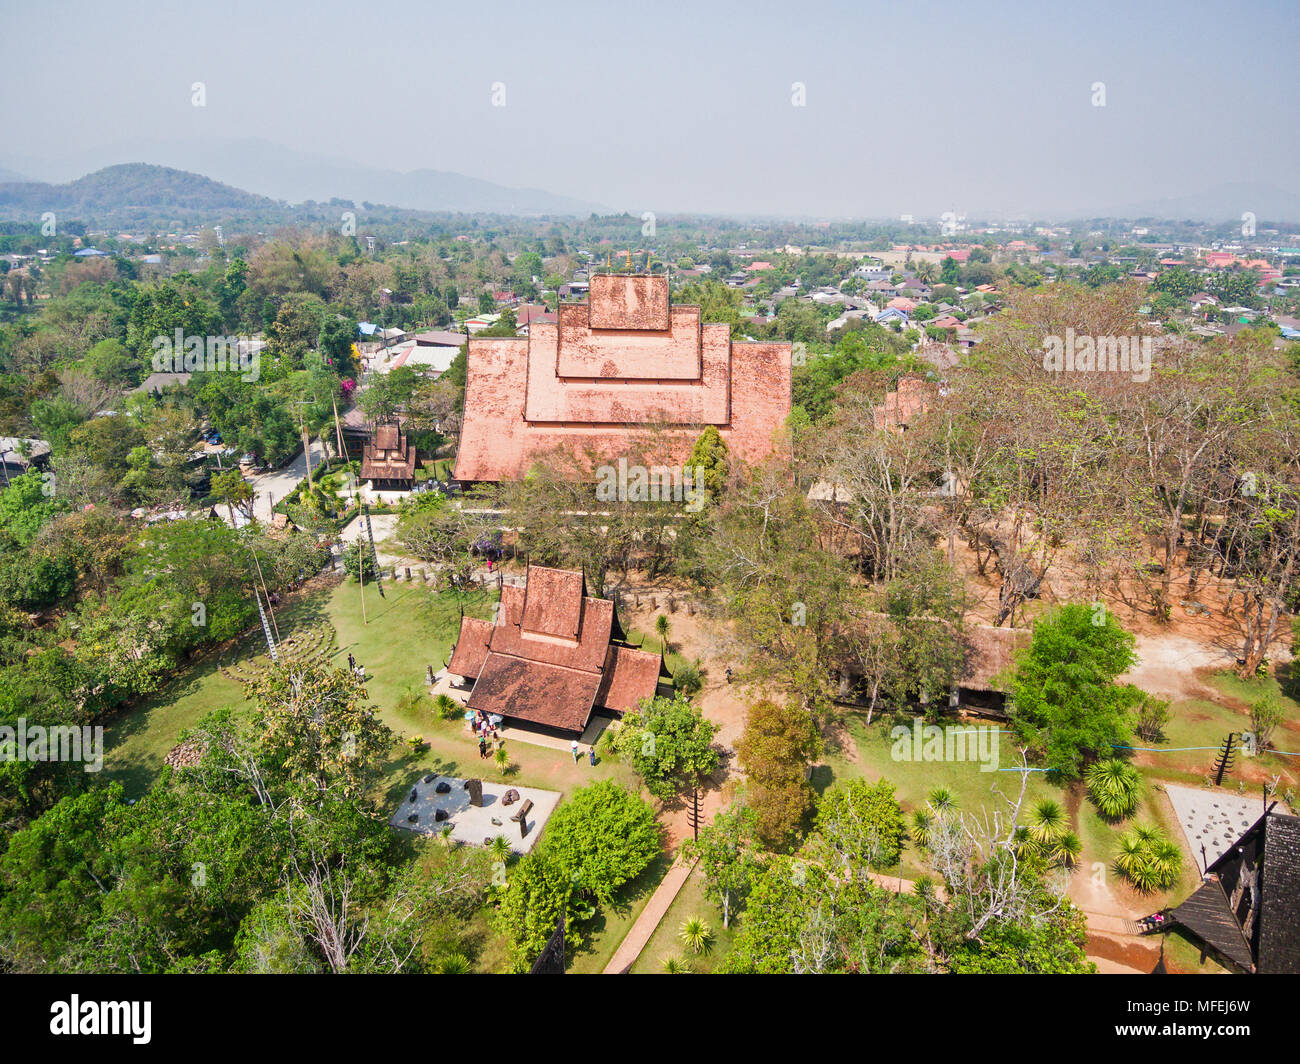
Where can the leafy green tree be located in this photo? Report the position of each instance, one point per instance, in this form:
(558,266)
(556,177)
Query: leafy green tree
(603,837)
(1066,705)
(669,744)
(539,891)
(317,731)
(111,362)
(775,749)
(27,505)
(725,851)
(231,490)
(335,343)
(709,453)
(862,823)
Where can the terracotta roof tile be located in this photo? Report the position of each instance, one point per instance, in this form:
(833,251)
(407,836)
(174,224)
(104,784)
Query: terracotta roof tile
(471,647)
(553,602)
(630,675)
(549,695)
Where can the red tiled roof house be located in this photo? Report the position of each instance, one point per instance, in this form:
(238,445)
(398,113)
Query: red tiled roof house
(553,656)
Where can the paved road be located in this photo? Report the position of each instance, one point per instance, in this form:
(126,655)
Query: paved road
(273,486)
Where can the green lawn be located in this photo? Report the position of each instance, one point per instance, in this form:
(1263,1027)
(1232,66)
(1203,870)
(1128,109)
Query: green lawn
(1199,727)
(136,743)
(913,780)
(408,629)
(666,941)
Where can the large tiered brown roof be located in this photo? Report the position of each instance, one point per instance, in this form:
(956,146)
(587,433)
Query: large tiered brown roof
(625,359)
(549,658)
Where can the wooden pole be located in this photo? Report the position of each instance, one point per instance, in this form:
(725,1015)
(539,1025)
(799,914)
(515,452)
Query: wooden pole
(361,574)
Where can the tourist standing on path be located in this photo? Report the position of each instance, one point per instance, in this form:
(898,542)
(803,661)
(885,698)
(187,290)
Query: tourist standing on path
(573,748)
(591,756)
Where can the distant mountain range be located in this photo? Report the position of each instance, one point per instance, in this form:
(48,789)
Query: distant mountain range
(130,188)
(1223,203)
(207,178)
(295,177)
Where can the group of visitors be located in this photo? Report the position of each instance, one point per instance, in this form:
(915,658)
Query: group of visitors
(576,751)
(486,730)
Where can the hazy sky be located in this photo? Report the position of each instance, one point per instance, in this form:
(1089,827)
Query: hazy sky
(668,106)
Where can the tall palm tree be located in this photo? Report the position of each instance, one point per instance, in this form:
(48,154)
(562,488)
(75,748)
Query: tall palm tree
(663,626)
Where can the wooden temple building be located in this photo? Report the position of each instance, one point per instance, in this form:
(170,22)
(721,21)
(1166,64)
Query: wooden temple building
(554,656)
(606,369)
(388,460)
(1246,911)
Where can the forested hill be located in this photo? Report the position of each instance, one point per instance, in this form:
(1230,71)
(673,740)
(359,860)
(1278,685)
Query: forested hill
(131,188)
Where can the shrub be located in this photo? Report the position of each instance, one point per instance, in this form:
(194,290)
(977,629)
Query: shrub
(1114,787)
(1152,716)
(1148,858)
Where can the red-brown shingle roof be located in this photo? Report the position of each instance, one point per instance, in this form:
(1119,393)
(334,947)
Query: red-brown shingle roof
(548,659)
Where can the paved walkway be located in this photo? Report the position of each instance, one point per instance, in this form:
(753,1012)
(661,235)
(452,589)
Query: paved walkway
(271,487)
(639,934)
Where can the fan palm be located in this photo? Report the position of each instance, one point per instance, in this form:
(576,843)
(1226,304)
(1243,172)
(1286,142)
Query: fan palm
(1148,858)
(676,966)
(502,759)
(922,823)
(697,935)
(1166,862)
(1022,842)
(663,626)
(446,707)
(1114,787)
(1050,822)
(942,800)
(1066,849)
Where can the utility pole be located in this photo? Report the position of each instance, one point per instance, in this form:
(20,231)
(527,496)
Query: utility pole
(306,442)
